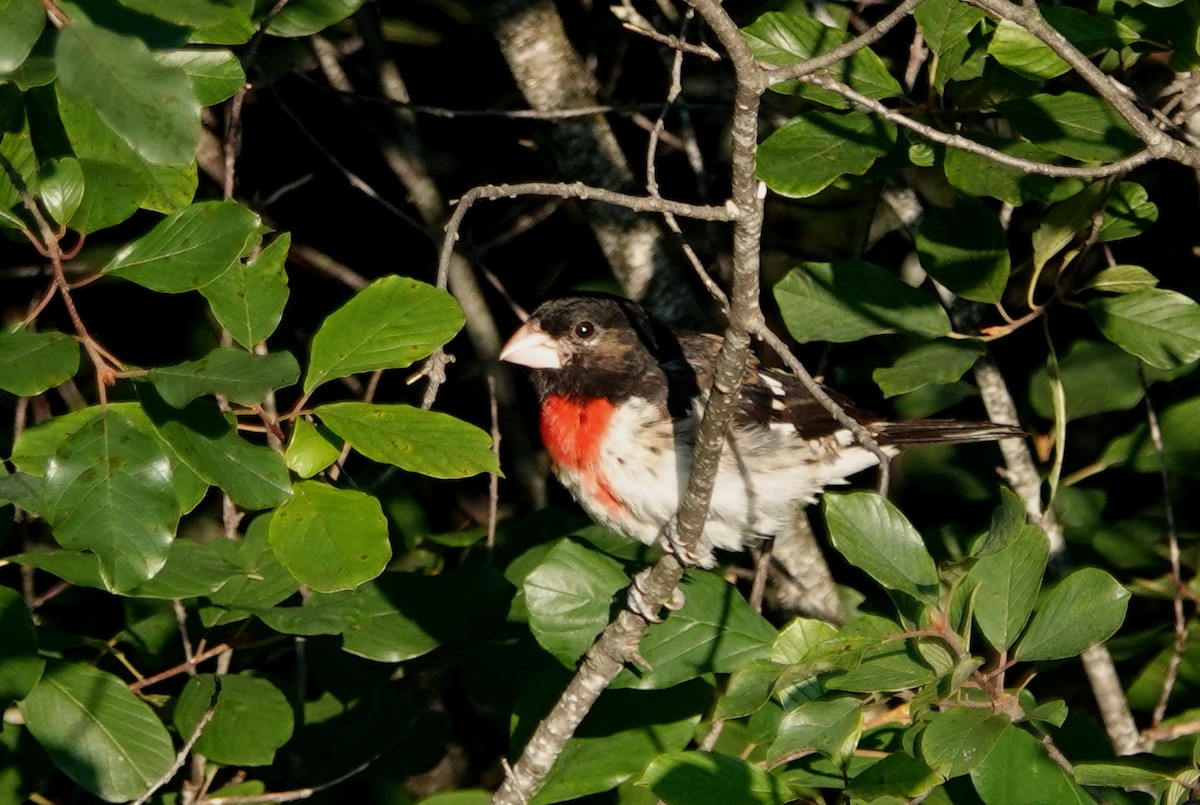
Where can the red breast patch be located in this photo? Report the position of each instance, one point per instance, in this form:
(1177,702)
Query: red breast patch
(572,429)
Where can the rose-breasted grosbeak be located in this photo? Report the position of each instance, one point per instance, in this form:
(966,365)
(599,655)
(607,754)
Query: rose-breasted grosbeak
(621,397)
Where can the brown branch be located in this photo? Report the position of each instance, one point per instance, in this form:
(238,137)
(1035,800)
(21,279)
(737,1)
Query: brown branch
(181,668)
(966,144)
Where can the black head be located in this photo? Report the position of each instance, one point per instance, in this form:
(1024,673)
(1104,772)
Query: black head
(594,345)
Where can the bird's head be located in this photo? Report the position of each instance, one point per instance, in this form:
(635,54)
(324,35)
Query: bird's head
(589,345)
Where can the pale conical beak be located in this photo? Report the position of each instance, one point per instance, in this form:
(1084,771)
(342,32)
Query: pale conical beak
(530,346)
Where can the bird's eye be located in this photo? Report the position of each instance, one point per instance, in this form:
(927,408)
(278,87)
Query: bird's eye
(585,329)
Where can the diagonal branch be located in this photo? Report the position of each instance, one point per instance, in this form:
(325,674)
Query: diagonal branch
(1029,18)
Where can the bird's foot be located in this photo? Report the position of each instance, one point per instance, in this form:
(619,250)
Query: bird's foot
(636,602)
(698,555)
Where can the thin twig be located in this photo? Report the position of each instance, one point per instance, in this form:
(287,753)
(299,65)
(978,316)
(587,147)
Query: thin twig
(186,749)
(1181,630)
(493,478)
(299,793)
(966,144)
(182,667)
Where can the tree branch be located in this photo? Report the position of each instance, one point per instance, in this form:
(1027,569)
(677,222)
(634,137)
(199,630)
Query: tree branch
(966,144)
(1029,18)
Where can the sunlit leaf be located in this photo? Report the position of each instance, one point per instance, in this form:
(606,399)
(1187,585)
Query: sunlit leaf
(31,362)
(428,442)
(100,734)
(387,325)
(330,539)
(1086,608)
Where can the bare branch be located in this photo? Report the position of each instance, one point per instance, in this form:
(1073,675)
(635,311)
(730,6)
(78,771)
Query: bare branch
(966,144)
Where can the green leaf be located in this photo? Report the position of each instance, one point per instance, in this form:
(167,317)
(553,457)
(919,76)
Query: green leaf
(1041,781)
(24,491)
(260,581)
(1089,32)
(936,362)
(620,736)
(189,249)
(963,247)
(165,188)
(61,188)
(1025,54)
(569,596)
(1128,214)
(946,26)
(897,775)
(20,665)
(749,688)
(151,107)
(243,377)
(102,736)
(248,297)
(957,740)
(211,23)
(307,17)
(850,300)
(1118,775)
(1180,426)
(1097,377)
(387,325)
(216,74)
(310,449)
(1121,279)
(887,663)
(206,439)
(193,569)
(111,194)
(108,489)
(829,726)
(251,718)
(21,23)
(1160,327)
(330,539)
(1087,607)
(1075,125)
(1006,584)
(873,535)
(428,442)
(975,175)
(36,446)
(1064,222)
(710,778)
(805,155)
(782,39)
(715,632)
(32,362)
(382,625)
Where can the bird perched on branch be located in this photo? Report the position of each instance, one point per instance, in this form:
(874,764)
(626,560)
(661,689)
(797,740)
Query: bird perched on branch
(621,397)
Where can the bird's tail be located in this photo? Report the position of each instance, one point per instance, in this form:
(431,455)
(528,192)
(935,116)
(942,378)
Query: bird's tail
(943,431)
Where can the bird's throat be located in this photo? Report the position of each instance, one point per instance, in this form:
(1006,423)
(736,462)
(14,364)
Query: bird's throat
(572,429)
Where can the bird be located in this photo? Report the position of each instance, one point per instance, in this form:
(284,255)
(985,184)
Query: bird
(621,396)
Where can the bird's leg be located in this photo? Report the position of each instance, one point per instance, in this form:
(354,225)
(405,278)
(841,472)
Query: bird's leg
(636,601)
(699,555)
